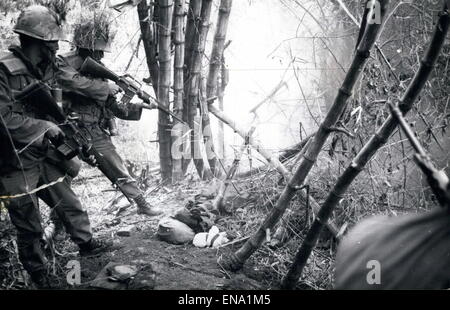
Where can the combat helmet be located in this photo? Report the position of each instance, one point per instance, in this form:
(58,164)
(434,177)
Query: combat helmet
(39,22)
(93,32)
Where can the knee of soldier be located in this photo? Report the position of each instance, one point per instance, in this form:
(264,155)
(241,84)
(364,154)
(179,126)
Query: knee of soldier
(72,167)
(13,204)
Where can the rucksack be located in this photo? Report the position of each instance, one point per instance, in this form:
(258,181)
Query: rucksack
(404,252)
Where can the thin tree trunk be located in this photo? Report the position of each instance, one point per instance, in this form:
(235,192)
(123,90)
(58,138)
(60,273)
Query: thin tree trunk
(148,35)
(216,62)
(218,200)
(220,95)
(208,140)
(205,127)
(178,83)
(191,40)
(367,152)
(196,67)
(237,260)
(164,126)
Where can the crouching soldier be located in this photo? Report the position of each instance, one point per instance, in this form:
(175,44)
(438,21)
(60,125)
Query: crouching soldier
(92,38)
(28,167)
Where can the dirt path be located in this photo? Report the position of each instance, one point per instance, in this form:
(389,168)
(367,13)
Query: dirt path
(165,267)
(162,266)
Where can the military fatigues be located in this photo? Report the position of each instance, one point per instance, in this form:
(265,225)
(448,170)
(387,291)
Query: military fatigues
(36,165)
(93,112)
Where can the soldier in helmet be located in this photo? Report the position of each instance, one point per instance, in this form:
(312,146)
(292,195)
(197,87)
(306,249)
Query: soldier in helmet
(27,159)
(92,38)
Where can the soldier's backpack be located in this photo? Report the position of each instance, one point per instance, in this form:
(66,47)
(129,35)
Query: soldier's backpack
(404,252)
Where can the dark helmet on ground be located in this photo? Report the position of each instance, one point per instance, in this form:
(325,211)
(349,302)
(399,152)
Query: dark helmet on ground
(39,22)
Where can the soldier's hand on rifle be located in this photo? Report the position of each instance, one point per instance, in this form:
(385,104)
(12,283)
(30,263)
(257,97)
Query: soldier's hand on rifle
(54,133)
(113,89)
(87,158)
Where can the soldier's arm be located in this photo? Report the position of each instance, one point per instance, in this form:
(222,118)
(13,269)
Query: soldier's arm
(130,112)
(72,81)
(22,129)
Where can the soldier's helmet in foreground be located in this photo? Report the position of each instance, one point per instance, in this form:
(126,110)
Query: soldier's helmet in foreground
(39,22)
(93,32)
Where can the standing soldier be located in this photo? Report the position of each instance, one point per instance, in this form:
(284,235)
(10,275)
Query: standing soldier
(27,159)
(92,38)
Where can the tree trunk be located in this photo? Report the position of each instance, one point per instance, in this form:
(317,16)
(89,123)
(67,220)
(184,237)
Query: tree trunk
(237,260)
(192,30)
(178,83)
(148,34)
(218,200)
(214,68)
(220,95)
(206,132)
(164,126)
(369,149)
(195,74)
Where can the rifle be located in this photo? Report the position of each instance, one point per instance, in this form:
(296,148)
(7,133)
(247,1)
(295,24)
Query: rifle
(127,83)
(437,180)
(75,141)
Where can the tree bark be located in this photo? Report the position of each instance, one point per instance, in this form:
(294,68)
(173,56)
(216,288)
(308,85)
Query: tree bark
(189,111)
(214,69)
(195,75)
(148,34)
(178,83)
(164,125)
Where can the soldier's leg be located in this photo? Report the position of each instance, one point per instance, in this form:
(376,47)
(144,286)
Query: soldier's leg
(52,198)
(24,214)
(68,207)
(113,167)
(67,210)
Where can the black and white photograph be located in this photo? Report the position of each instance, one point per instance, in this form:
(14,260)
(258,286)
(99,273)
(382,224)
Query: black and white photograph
(224,150)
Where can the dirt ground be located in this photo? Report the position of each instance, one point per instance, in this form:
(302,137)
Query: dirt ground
(160,265)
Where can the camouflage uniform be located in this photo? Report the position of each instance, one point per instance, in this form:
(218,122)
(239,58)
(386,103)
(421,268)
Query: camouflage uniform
(93,113)
(35,166)
(27,160)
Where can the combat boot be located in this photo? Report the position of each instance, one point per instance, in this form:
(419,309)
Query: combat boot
(60,232)
(95,247)
(143,207)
